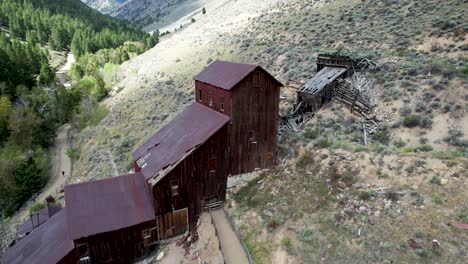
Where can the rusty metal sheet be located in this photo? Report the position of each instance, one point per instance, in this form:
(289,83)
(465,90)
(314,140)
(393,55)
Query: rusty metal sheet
(107,204)
(324,77)
(49,243)
(226,75)
(178,138)
(37,219)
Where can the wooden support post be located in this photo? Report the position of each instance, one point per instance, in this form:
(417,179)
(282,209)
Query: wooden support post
(365,132)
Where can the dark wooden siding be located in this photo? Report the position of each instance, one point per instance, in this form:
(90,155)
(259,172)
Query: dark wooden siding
(195,181)
(172,224)
(70,258)
(215,93)
(119,246)
(313,102)
(254,118)
(324,60)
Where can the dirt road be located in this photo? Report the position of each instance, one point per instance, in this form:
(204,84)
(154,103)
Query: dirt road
(58,155)
(232,247)
(59,162)
(62,73)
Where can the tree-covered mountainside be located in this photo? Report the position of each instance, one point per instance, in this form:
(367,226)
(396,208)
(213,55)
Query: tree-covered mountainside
(33,104)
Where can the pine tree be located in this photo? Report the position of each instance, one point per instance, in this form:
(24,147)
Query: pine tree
(28,179)
(203,11)
(46,74)
(56,39)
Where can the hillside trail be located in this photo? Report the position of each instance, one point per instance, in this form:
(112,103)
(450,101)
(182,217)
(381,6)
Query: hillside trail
(230,243)
(60,162)
(62,73)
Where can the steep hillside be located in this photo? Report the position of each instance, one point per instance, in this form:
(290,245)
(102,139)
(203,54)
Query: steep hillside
(143,12)
(331,198)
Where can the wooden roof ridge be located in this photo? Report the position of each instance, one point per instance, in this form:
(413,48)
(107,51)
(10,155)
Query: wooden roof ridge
(226,74)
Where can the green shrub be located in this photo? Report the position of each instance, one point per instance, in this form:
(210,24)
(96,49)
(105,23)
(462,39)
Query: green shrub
(425,148)
(305,234)
(287,245)
(436,180)
(408,149)
(382,136)
(73,154)
(436,198)
(399,143)
(419,233)
(324,142)
(36,207)
(311,133)
(426,122)
(412,121)
(365,196)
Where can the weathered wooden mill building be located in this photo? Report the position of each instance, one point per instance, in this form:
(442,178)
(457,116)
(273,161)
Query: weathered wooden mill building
(231,128)
(180,171)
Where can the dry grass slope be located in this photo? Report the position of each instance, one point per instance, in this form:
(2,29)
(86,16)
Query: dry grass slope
(328,186)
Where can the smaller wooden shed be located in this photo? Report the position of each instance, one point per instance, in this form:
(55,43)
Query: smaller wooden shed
(111,220)
(321,87)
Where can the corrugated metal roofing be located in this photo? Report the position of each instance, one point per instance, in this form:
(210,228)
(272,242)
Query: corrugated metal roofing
(326,76)
(49,243)
(107,204)
(226,75)
(37,219)
(187,130)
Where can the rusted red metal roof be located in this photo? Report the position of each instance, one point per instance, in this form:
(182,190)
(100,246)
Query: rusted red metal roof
(49,243)
(37,219)
(191,128)
(107,204)
(226,75)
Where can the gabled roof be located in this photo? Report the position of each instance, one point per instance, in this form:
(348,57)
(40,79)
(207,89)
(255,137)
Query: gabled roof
(49,243)
(37,219)
(226,75)
(107,204)
(189,129)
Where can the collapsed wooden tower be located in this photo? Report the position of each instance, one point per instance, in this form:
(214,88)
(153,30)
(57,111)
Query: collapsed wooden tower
(331,81)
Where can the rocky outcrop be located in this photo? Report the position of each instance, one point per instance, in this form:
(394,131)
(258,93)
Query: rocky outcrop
(137,10)
(104,6)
